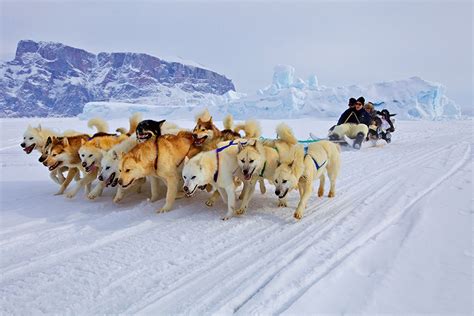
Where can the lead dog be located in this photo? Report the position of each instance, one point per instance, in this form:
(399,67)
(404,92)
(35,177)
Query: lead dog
(300,169)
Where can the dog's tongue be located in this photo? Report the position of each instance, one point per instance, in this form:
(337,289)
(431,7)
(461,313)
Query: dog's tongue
(29,149)
(92,168)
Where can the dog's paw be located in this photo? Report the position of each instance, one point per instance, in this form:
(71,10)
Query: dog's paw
(298,215)
(180,195)
(210,202)
(320,192)
(164,209)
(240,211)
(92,195)
(70,195)
(59,192)
(152,199)
(226,218)
(331,194)
(241,196)
(282,203)
(117,199)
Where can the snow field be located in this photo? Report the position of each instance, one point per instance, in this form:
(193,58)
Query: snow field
(397,238)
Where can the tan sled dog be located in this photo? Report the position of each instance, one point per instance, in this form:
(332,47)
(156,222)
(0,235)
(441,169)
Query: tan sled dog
(258,160)
(162,157)
(64,152)
(299,170)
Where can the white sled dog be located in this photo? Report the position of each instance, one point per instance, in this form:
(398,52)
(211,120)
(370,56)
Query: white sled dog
(258,160)
(299,170)
(215,167)
(34,138)
(92,151)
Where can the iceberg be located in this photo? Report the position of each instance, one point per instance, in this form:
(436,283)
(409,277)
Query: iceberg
(291,97)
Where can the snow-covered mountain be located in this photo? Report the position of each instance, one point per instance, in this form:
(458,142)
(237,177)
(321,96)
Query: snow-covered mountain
(52,79)
(291,97)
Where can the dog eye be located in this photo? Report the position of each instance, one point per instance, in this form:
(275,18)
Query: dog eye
(243,160)
(193,177)
(82,155)
(276,181)
(127,170)
(184,177)
(90,155)
(54,155)
(107,168)
(31,138)
(251,161)
(284,181)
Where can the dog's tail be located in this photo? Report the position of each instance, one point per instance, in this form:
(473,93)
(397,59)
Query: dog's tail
(228,122)
(99,124)
(251,128)
(285,133)
(134,120)
(121,130)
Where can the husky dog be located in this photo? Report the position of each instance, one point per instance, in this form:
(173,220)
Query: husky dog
(161,157)
(91,153)
(299,170)
(64,152)
(148,128)
(258,160)
(207,135)
(217,168)
(109,169)
(35,138)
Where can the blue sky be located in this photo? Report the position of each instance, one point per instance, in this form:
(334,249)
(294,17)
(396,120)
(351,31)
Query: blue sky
(341,42)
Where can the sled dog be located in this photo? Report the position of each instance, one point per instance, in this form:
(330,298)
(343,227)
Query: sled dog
(148,128)
(161,157)
(299,170)
(258,160)
(216,167)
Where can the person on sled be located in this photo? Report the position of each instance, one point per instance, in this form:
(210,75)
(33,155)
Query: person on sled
(353,123)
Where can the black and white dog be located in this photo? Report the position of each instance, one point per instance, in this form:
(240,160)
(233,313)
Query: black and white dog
(147,129)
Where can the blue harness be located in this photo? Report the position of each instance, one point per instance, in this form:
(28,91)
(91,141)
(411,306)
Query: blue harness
(218,150)
(314,160)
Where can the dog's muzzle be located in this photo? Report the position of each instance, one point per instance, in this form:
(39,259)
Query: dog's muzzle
(28,149)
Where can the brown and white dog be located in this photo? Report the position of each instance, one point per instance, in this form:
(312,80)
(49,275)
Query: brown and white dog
(207,136)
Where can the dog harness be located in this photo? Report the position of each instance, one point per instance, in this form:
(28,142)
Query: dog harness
(218,150)
(314,160)
(263,169)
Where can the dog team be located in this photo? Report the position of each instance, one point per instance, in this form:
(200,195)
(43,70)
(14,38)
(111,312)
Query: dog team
(178,162)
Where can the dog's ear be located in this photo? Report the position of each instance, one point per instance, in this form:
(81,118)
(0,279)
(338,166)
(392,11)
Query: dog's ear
(83,141)
(240,146)
(393,114)
(210,119)
(291,164)
(114,155)
(160,123)
(65,141)
(186,160)
(278,163)
(48,141)
(39,127)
